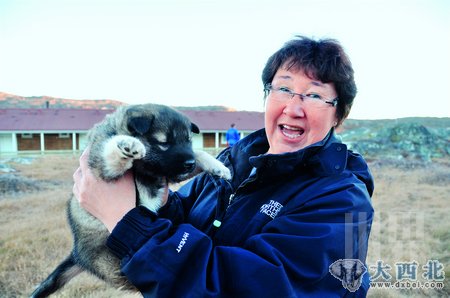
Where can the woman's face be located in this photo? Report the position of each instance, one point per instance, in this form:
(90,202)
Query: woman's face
(294,124)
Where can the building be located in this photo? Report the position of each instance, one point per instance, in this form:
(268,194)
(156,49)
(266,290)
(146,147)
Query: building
(46,130)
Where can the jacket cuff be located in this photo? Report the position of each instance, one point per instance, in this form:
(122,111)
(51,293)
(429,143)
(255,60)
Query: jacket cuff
(131,232)
(166,210)
(173,209)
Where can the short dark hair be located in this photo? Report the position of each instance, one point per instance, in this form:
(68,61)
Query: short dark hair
(323,60)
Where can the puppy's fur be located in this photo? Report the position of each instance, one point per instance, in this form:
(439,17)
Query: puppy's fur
(155,142)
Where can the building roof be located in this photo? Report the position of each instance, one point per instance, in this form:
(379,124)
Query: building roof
(221,120)
(84,119)
(50,119)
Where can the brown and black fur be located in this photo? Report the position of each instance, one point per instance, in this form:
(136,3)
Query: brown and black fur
(155,142)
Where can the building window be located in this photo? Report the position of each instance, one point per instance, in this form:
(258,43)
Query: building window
(64,135)
(223,138)
(27,136)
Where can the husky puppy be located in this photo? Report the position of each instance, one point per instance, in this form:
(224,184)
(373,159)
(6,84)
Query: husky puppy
(155,142)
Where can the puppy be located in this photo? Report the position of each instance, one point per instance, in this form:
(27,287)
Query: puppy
(155,142)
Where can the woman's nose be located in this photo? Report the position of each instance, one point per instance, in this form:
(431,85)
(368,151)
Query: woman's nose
(294,107)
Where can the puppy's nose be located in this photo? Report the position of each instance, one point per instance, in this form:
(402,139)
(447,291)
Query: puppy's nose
(189,165)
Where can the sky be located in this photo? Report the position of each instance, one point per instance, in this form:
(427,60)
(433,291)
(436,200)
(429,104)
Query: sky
(192,52)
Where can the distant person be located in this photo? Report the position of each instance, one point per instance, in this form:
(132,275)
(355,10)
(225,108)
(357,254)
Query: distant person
(232,135)
(293,221)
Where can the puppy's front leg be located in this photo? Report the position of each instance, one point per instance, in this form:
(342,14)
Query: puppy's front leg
(119,153)
(211,165)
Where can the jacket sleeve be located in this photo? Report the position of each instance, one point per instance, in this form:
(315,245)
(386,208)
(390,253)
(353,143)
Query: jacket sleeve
(290,257)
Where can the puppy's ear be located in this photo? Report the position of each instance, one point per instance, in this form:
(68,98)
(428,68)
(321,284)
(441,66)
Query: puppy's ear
(194,128)
(138,120)
(139,125)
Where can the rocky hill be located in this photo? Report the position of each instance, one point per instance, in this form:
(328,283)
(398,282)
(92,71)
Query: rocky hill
(420,139)
(9,101)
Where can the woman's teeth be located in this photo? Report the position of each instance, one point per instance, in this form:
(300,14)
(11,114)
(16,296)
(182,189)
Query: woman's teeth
(291,131)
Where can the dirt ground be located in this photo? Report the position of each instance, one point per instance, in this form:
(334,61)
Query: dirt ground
(411,225)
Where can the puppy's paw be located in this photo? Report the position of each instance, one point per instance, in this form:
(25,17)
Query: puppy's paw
(221,171)
(119,153)
(211,165)
(129,147)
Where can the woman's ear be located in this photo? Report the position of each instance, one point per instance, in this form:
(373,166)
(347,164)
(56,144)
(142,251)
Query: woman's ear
(336,121)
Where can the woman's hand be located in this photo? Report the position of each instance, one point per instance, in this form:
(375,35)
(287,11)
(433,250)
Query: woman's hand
(107,201)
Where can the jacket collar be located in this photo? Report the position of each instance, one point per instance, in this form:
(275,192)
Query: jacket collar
(326,157)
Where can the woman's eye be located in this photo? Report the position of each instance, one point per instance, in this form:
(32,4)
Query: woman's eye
(285,90)
(313,96)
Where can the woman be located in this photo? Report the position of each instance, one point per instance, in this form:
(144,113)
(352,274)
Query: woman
(297,207)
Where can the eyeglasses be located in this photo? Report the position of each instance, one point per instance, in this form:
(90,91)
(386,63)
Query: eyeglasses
(283,94)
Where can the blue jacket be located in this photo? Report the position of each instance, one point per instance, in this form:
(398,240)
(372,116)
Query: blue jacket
(272,231)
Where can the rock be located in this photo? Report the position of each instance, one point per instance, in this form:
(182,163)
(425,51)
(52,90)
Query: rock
(406,140)
(5,168)
(11,183)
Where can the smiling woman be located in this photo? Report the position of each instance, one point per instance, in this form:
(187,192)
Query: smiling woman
(323,76)
(298,201)
(294,124)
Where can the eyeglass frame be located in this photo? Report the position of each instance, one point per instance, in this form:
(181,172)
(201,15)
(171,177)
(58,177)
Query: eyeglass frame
(268,87)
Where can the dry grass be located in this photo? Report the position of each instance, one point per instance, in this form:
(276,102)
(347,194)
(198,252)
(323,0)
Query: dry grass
(411,223)
(34,234)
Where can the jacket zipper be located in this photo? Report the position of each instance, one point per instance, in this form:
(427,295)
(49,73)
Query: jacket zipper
(231,198)
(218,222)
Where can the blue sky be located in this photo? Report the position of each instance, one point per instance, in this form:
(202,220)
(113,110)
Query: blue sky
(182,52)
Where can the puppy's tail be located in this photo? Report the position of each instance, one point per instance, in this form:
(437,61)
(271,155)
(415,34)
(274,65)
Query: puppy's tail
(58,278)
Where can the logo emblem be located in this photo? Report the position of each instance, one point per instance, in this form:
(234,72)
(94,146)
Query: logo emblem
(271,209)
(349,272)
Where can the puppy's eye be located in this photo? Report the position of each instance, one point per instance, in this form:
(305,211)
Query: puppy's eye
(163,146)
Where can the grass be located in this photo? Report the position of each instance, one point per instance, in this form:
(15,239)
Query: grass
(411,223)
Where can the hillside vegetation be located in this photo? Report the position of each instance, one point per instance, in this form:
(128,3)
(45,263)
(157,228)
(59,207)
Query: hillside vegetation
(401,140)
